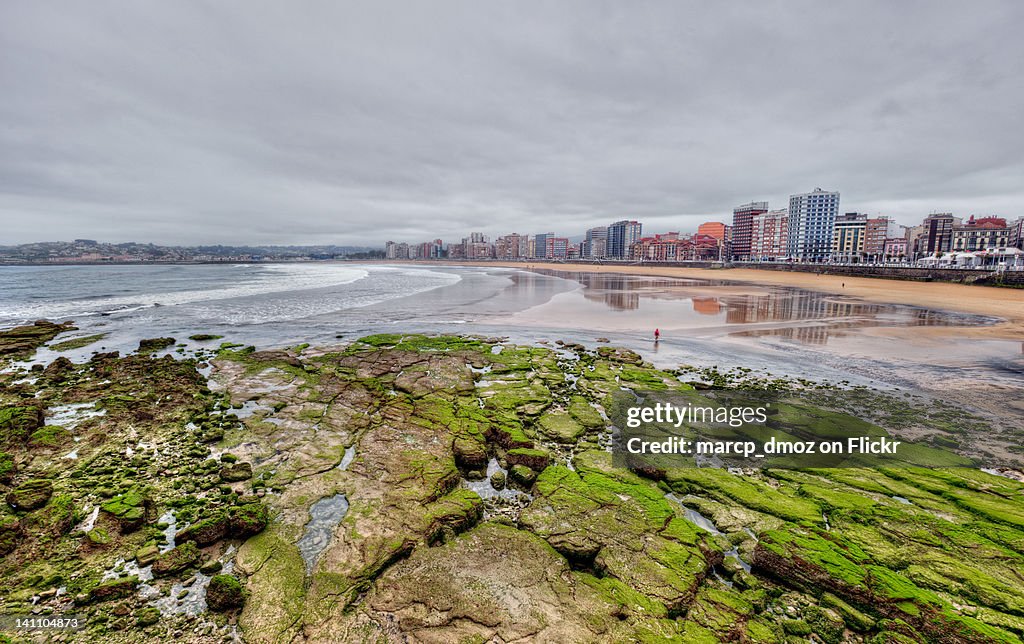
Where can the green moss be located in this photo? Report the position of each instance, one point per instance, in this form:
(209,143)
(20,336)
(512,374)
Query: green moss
(224,592)
(49,436)
(77,343)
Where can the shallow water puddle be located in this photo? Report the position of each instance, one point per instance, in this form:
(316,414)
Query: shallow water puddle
(324,516)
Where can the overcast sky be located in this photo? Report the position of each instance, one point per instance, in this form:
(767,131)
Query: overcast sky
(336,122)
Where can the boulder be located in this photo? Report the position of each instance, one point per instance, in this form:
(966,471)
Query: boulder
(205,532)
(10,534)
(224,593)
(114,589)
(147,554)
(498,480)
(176,560)
(249,519)
(470,454)
(234,472)
(522,475)
(18,422)
(30,495)
(152,345)
(534,459)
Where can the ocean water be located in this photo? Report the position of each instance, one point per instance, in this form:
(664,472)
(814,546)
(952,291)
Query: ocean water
(769,329)
(263,304)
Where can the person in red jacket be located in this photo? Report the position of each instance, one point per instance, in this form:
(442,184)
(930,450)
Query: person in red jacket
(657,335)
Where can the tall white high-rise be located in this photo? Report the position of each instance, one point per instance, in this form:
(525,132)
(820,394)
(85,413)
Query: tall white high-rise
(812,218)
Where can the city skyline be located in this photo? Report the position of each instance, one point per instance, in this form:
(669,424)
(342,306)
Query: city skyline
(187,124)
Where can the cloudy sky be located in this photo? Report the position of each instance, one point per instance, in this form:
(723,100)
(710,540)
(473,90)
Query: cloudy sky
(338,122)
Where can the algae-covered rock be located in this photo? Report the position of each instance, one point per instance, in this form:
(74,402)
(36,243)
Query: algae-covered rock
(211,567)
(234,472)
(22,341)
(98,536)
(129,509)
(560,427)
(498,480)
(147,554)
(7,467)
(205,532)
(30,495)
(522,475)
(176,560)
(224,593)
(147,616)
(114,589)
(470,453)
(49,436)
(152,345)
(248,519)
(535,459)
(18,422)
(10,533)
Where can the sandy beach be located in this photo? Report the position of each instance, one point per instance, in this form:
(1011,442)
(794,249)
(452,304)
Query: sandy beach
(1004,303)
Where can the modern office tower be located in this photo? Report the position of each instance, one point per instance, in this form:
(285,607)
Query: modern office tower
(768,235)
(595,246)
(742,218)
(848,235)
(541,245)
(621,237)
(811,218)
(938,234)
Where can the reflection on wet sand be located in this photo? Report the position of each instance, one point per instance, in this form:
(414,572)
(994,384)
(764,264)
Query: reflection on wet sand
(808,317)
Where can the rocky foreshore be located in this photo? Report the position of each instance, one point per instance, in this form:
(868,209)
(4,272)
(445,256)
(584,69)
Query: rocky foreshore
(461,489)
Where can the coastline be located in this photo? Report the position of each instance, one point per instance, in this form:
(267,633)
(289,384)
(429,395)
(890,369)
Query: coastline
(1007,304)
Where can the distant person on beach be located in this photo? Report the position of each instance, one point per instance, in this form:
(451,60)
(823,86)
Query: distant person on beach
(657,335)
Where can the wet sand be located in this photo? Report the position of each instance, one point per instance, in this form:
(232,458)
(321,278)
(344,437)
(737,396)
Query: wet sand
(1005,303)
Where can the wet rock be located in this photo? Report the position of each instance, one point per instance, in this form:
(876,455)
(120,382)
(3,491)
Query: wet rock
(147,616)
(276,356)
(498,480)
(534,459)
(211,567)
(205,532)
(234,472)
(17,423)
(470,453)
(176,560)
(147,554)
(224,593)
(114,589)
(30,495)
(129,509)
(522,475)
(152,345)
(59,369)
(11,534)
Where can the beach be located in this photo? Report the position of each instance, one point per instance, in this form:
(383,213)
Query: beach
(1005,303)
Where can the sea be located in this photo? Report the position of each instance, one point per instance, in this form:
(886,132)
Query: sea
(770,330)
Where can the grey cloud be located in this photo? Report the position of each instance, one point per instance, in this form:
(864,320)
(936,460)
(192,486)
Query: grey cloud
(324,122)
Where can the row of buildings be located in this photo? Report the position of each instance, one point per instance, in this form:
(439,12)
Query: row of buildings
(810,229)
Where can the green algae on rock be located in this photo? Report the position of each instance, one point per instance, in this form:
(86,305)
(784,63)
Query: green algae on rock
(574,550)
